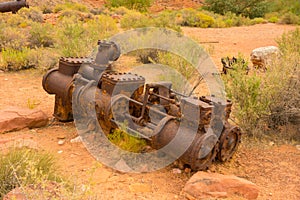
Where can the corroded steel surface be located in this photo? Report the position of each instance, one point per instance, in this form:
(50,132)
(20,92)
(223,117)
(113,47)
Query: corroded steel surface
(151,111)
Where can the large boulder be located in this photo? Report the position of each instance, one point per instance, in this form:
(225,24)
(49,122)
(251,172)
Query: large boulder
(205,185)
(14,118)
(263,56)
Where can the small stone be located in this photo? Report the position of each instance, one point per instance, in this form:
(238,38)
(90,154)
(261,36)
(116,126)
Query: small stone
(61,142)
(76,140)
(187,170)
(176,197)
(6,79)
(271,143)
(176,171)
(60,152)
(298,147)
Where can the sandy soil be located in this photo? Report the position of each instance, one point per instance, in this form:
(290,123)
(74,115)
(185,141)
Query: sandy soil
(274,167)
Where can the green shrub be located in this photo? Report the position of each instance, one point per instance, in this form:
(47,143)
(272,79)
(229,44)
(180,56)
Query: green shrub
(14,60)
(22,167)
(272,17)
(135,19)
(165,19)
(70,6)
(260,100)
(16,21)
(289,18)
(140,5)
(32,13)
(246,93)
(41,35)
(247,8)
(101,27)
(258,21)
(13,37)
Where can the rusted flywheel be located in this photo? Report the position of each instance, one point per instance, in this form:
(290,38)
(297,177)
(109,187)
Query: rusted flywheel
(229,142)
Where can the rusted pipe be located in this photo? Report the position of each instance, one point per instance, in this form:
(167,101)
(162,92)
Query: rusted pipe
(13,6)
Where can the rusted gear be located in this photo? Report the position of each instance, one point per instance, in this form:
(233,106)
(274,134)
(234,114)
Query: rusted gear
(205,163)
(229,142)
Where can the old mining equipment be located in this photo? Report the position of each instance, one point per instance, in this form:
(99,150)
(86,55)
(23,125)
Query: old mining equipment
(154,106)
(13,6)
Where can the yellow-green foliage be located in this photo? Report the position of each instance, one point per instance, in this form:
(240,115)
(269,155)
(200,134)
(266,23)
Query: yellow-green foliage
(15,59)
(259,20)
(22,167)
(126,142)
(41,35)
(32,13)
(70,6)
(135,19)
(259,99)
(289,18)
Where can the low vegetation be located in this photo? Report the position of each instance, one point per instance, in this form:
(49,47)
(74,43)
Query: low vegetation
(262,102)
(37,175)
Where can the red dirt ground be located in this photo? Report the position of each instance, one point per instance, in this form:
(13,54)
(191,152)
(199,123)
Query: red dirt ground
(274,167)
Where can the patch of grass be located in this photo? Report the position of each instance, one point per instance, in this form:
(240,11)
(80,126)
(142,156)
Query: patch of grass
(14,60)
(22,167)
(140,5)
(289,18)
(125,141)
(70,6)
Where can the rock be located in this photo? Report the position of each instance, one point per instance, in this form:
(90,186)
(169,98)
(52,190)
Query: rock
(76,140)
(211,185)
(263,56)
(140,187)
(176,171)
(14,118)
(15,194)
(61,142)
(298,147)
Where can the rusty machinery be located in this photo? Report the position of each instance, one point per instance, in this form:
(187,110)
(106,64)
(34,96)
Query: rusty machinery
(121,97)
(13,6)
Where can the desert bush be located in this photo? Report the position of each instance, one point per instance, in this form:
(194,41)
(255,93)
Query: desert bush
(260,100)
(165,19)
(71,38)
(14,60)
(21,167)
(70,6)
(101,27)
(41,35)
(272,17)
(285,107)
(259,20)
(140,5)
(13,37)
(135,19)
(120,10)
(247,8)
(32,13)
(289,18)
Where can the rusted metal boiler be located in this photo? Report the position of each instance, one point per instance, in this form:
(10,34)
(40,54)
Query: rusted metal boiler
(160,112)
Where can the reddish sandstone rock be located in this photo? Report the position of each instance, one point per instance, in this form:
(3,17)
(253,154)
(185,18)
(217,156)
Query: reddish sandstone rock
(14,118)
(205,185)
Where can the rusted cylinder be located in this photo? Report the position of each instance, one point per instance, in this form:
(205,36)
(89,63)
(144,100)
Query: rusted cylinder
(57,83)
(13,6)
(197,150)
